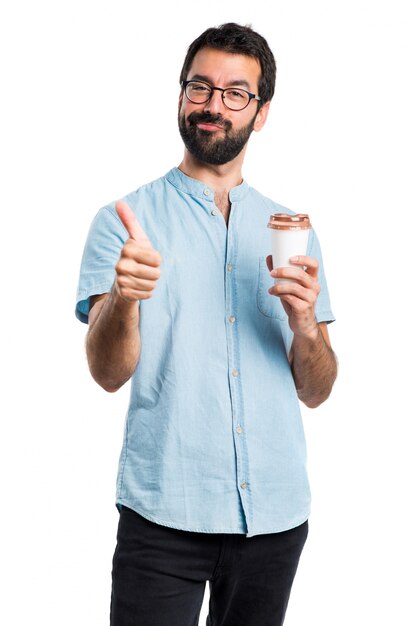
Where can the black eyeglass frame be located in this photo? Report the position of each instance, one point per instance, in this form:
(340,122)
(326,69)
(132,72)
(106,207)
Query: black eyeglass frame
(252,96)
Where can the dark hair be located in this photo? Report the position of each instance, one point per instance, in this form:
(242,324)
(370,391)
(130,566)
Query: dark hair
(237,39)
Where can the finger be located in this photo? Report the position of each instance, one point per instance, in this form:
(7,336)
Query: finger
(133,295)
(129,284)
(311,264)
(294,291)
(145,272)
(289,275)
(134,251)
(128,219)
(130,267)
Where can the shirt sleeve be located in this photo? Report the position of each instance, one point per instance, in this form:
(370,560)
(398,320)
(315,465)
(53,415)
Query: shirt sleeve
(323,310)
(105,240)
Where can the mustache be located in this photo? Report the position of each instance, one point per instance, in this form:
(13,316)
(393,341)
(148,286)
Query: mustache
(207,118)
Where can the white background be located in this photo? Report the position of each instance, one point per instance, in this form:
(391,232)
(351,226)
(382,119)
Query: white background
(79,128)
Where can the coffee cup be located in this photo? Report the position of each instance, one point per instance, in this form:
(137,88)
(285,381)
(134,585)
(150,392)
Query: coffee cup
(289,238)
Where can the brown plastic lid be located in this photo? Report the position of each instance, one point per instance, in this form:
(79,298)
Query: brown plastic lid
(283,221)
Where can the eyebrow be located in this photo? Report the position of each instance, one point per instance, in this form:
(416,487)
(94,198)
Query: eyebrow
(234,83)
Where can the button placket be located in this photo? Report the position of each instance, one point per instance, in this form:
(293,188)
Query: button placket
(231,315)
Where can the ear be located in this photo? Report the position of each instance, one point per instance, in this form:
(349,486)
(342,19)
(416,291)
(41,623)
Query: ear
(181,97)
(261,116)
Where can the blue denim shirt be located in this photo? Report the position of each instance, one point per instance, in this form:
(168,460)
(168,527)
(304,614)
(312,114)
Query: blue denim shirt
(214,439)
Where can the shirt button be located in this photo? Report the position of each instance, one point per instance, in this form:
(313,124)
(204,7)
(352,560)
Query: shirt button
(243,485)
(239,429)
(229,267)
(235,372)
(232,319)
(206,192)
(214,212)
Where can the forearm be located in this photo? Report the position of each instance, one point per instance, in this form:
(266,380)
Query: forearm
(113,342)
(314,368)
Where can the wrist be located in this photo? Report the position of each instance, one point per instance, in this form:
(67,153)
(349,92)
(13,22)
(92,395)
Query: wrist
(126,309)
(310,334)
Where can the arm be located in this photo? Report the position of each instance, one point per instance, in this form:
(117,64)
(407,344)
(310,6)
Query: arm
(314,366)
(113,340)
(313,363)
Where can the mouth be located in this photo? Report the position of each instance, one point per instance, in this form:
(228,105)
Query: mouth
(208,123)
(209,127)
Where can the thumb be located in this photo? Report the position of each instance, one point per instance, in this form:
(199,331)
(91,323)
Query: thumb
(128,219)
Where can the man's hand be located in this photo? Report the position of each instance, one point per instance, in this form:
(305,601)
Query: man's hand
(137,270)
(313,363)
(113,341)
(298,296)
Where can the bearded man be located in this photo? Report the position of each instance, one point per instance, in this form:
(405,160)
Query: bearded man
(177,286)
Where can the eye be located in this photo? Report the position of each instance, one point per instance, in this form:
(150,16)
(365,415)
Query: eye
(199,88)
(236,94)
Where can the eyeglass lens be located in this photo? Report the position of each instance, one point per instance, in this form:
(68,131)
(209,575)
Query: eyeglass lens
(233,98)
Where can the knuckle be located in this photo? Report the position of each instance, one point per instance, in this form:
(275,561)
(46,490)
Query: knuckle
(128,248)
(158,258)
(120,267)
(125,293)
(145,286)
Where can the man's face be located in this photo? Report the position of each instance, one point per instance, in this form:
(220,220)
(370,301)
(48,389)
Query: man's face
(211,132)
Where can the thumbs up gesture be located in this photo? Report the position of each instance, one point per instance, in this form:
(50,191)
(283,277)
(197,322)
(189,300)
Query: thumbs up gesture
(137,270)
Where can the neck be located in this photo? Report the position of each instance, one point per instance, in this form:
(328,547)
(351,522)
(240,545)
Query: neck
(220,178)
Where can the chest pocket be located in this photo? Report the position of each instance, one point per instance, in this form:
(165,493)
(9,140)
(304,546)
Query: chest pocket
(268,305)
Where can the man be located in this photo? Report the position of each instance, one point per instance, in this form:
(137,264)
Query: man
(212,482)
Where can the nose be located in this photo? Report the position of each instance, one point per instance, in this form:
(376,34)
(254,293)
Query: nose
(215,103)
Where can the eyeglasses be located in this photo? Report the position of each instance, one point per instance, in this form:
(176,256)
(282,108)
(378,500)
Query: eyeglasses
(233,98)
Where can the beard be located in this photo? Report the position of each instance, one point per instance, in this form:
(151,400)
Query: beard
(203,145)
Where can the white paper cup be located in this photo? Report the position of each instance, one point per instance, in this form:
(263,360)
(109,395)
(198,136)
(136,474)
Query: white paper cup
(289,237)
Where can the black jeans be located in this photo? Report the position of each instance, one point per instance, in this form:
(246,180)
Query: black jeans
(159,575)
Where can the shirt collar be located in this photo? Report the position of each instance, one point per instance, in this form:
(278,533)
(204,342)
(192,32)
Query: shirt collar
(198,189)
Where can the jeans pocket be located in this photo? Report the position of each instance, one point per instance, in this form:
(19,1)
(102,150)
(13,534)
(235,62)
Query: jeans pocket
(268,305)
